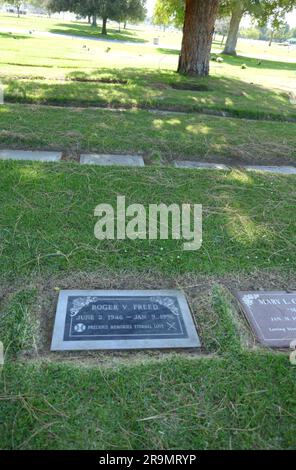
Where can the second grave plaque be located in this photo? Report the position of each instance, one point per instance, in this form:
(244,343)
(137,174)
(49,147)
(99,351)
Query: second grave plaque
(272,316)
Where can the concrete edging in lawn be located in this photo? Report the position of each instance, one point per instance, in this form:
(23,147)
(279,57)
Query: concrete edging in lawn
(136,161)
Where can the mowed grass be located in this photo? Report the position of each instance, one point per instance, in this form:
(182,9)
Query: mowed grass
(228,398)
(244,402)
(47,219)
(160,137)
(235,399)
(262,90)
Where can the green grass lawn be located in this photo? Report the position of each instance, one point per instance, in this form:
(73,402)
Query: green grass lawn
(259,91)
(239,402)
(232,394)
(47,219)
(160,137)
(142,400)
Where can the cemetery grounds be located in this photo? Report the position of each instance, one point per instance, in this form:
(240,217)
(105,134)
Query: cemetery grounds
(79,95)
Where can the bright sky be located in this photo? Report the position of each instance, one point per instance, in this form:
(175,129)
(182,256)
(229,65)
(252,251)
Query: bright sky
(291,18)
(150,6)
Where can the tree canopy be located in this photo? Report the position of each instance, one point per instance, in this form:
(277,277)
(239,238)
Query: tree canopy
(167,12)
(172,11)
(118,10)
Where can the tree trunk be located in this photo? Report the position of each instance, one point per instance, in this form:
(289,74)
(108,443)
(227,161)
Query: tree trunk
(124,25)
(232,37)
(198,33)
(89,19)
(94,21)
(104,26)
(271,38)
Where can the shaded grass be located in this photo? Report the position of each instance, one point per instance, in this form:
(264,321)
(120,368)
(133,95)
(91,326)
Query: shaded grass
(47,219)
(158,136)
(234,403)
(82,29)
(147,88)
(225,333)
(17,327)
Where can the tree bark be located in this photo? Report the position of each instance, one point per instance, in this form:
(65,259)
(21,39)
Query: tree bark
(271,38)
(232,37)
(94,21)
(198,30)
(104,26)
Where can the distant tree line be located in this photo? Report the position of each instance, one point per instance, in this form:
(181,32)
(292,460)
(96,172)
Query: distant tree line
(121,11)
(117,10)
(265,33)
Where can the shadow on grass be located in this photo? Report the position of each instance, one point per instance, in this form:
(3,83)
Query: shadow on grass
(155,89)
(86,31)
(240,59)
(163,50)
(13,36)
(238,216)
(258,63)
(163,136)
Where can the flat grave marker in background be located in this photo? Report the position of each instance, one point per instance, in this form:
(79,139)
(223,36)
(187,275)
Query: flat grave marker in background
(30,155)
(110,160)
(199,165)
(281,170)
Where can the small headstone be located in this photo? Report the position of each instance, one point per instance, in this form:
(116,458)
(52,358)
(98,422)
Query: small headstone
(272,316)
(110,160)
(285,170)
(89,320)
(34,155)
(200,165)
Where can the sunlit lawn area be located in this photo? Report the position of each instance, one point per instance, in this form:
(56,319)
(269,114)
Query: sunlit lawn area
(146,77)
